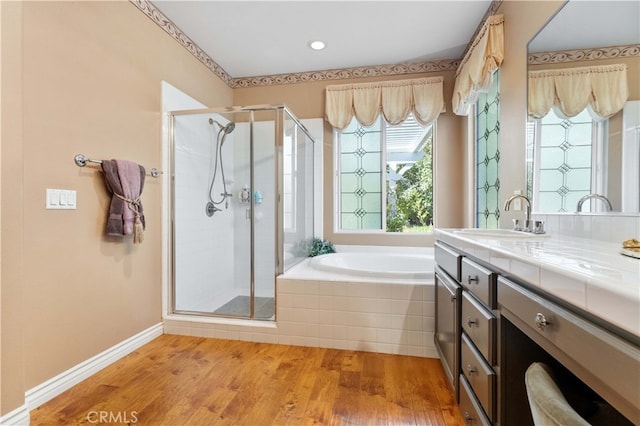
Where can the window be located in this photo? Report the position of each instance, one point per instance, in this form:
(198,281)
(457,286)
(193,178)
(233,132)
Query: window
(568,151)
(384,179)
(487,112)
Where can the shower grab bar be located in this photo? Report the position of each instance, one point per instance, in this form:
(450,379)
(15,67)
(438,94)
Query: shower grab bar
(82,160)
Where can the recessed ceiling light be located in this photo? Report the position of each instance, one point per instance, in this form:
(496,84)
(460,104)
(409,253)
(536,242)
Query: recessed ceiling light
(317,45)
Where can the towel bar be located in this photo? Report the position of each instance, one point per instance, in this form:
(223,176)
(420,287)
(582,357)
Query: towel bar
(82,160)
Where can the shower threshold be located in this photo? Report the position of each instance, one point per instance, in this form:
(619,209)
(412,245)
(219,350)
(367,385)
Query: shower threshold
(264,307)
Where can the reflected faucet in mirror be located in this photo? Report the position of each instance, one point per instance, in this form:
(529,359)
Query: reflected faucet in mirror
(604,199)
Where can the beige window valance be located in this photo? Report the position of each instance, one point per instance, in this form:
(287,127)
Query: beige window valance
(423,96)
(570,90)
(475,73)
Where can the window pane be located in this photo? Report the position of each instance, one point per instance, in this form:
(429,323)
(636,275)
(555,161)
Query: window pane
(372,221)
(371,162)
(371,182)
(349,163)
(565,151)
(360,177)
(349,221)
(349,182)
(488,156)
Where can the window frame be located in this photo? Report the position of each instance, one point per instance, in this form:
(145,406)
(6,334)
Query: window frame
(337,219)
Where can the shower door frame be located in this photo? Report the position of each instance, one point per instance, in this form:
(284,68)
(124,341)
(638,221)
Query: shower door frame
(279,111)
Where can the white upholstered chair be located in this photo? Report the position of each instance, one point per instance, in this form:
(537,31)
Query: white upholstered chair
(548,405)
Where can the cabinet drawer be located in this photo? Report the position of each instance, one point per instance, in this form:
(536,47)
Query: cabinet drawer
(480,281)
(480,376)
(448,259)
(480,325)
(607,363)
(470,407)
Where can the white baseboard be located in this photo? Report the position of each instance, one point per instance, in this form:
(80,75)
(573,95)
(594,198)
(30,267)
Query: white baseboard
(17,417)
(55,386)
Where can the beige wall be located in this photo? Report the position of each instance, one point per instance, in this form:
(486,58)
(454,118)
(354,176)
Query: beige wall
(80,77)
(12,316)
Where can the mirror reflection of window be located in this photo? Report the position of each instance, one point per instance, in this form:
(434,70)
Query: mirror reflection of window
(569,161)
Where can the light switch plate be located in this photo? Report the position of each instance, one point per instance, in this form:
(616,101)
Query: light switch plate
(61,199)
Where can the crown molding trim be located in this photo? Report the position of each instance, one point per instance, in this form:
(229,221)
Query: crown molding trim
(172,29)
(591,54)
(346,73)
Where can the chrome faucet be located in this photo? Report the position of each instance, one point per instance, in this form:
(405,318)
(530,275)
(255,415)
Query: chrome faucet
(606,201)
(527,217)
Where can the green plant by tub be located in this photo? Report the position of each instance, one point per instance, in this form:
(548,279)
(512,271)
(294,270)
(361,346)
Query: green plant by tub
(319,247)
(312,247)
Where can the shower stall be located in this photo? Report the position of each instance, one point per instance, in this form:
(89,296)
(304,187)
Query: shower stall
(242,207)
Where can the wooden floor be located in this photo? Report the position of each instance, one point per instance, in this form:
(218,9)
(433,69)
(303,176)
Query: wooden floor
(178,380)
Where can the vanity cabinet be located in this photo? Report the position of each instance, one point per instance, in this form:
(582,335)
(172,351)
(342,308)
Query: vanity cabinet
(466,331)
(506,324)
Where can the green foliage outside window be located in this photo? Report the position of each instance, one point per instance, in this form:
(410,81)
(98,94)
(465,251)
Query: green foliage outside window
(414,197)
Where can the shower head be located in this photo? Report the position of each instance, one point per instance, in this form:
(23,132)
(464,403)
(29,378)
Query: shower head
(228,128)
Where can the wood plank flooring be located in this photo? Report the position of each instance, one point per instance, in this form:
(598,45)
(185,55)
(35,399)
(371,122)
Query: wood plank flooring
(184,381)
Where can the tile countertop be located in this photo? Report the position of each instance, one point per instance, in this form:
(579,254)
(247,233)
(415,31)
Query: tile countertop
(589,274)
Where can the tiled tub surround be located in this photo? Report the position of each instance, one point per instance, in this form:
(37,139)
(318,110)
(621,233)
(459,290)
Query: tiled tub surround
(323,309)
(590,274)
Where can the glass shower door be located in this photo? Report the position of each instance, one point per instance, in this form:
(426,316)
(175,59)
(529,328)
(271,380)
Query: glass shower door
(242,208)
(211,228)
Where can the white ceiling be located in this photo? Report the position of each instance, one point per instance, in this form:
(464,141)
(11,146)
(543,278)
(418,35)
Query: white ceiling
(255,38)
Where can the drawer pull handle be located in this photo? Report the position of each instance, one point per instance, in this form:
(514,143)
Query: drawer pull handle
(541,321)
(467,417)
(471,279)
(470,322)
(471,369)
(453,297)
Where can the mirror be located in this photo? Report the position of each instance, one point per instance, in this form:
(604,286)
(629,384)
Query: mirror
(571,157)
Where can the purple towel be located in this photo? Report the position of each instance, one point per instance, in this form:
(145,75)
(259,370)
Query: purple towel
(125,180)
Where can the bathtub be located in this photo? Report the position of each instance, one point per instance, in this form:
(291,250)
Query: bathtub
(377,299)
(380,265)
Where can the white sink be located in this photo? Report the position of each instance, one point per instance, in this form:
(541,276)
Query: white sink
(498,233)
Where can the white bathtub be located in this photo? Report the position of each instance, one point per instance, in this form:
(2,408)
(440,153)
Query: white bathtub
(375,264)
(367,298)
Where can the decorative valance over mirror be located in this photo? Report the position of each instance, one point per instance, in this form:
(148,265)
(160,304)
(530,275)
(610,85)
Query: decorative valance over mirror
(569,91)
(395,99)
(475,73)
